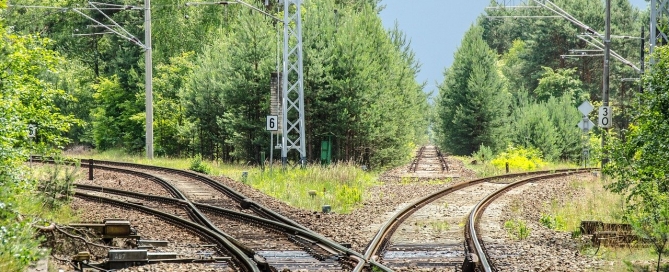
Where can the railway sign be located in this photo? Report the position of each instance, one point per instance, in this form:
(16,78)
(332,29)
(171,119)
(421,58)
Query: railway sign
(272,123)
(605,116)
(32,131)
(586,125)
(585,108)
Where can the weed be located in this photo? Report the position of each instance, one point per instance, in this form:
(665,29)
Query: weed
(517,229)
(552,222)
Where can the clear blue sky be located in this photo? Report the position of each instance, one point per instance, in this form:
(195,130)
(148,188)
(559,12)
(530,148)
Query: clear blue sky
(435,28)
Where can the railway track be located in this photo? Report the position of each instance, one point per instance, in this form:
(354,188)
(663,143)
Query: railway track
(239,260)
(429,162)
(440,247)
(478,258)
(319,252)
(281,246)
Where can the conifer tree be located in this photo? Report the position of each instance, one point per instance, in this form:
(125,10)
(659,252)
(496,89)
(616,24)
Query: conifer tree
(473,104)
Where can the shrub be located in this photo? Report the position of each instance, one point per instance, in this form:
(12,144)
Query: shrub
(197,165)
(523,159)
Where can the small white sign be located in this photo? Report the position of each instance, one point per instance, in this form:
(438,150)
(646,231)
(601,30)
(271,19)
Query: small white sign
(272,123)
(32,131)
(605,116)
(586,125)
(585,108)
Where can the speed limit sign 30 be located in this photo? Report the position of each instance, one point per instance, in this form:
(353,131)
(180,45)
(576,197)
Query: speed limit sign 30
(605,116)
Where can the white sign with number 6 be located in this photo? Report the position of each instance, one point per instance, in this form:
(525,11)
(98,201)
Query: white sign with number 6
(272,123)
(605,116)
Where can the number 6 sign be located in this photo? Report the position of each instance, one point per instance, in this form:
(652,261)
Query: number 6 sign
(272,123)
(605,116)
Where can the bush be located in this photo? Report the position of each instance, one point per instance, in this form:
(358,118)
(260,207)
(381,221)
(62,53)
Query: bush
(523,159)
(197,165)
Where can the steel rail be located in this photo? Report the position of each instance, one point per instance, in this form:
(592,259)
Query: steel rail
(473,242)
(255,206)
(216,185)
(442,160)
(264,222)
(382,237)
(239,256)
(414,164)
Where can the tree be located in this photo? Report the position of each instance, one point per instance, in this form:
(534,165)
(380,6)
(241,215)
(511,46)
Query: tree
(639,162)
(558,83)
(28,97)
(473,104)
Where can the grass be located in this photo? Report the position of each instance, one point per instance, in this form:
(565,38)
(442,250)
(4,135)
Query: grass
(342,186)
(23,207)
(596,203)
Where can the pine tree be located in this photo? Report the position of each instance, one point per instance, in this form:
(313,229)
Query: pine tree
(473,104)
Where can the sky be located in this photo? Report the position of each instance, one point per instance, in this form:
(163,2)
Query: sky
(435,28)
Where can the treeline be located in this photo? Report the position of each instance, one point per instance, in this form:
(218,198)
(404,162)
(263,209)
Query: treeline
(212,67)
(513,83)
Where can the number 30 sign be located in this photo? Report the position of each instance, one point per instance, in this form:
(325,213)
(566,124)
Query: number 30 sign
(605,116)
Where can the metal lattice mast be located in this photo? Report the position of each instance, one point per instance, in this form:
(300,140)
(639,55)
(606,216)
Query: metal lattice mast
(658,8)
(292,106)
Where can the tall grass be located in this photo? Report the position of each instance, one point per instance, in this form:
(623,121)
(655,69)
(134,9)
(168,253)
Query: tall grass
(596,203)
(342,186)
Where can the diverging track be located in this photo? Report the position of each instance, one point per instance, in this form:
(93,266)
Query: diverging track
(268,241)
(428,233)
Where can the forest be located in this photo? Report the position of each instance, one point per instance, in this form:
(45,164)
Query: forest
(211,78)
(520,74)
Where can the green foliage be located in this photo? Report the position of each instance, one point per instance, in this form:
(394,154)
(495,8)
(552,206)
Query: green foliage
(197,165)
(559,83)
(638,162)
(517,228)
(552,221)
(483,154)
(27,94)
(473,104)
(57,188)
(549,127)
(519,158)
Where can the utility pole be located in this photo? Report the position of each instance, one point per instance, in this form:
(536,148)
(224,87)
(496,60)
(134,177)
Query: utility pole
(605,85)
(293,88)
(148,82)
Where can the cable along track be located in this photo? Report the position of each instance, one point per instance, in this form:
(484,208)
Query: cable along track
(478,257)
(425,255)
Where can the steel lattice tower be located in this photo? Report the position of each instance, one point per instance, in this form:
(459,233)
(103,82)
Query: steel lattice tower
(658,8)
(292,106)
